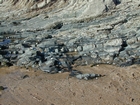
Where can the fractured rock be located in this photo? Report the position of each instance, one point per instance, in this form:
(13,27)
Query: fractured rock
(87,76)
(114,42)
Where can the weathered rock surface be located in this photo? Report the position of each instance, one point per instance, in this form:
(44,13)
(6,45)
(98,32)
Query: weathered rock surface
(52,35)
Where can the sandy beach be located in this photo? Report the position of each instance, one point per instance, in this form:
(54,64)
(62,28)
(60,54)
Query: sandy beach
(119,86)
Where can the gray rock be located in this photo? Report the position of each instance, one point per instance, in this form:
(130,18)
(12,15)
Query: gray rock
(48,69)
(23,61)
(117,61)
(71,42)
(88,47)
(16,42)
(111,49)
(111,37)
(1,1)
(70,49)
(4,62)
(105,56)
(86,60)
(99,45)
(47,43)
(65,63)
(94,55)
(56,50)
(114,42)
(87,76)
(123,54)
(74,73)
(81,76)
(132,40)
(1,57)
(11,57)
(50,62)
(79,48)
(138,38)
(64,49)
(128,62)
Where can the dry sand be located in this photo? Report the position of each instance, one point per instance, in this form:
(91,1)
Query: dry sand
(120,86)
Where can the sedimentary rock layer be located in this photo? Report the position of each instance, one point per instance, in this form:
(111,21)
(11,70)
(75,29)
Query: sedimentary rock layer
(53,35)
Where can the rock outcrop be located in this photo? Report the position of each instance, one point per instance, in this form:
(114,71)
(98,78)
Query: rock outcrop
(61,8)
(52,35)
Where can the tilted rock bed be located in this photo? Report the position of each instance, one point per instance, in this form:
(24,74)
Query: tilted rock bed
(46,43)
(50,54)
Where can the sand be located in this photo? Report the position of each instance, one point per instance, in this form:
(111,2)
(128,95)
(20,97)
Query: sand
(119,86)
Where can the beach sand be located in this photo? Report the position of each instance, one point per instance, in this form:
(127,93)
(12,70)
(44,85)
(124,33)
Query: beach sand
(119,86)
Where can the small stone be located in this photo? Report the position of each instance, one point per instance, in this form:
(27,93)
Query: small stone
(79,48)
(2,88)
(59,71)
(25,76)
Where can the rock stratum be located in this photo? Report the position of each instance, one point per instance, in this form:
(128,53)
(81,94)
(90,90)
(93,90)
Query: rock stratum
(53,35)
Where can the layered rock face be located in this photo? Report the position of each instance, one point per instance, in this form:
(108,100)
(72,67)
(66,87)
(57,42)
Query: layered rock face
(52,35)
(60,8)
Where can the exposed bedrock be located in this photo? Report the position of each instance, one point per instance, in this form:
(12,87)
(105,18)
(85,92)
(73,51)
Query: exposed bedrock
(66,9)
(53,39)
